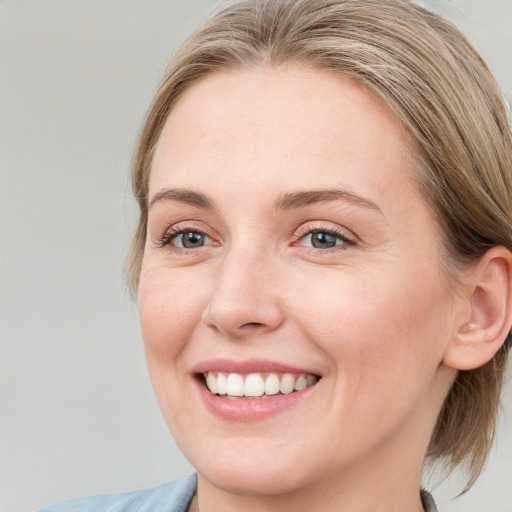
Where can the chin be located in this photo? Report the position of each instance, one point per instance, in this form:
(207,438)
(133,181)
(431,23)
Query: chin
(257,480)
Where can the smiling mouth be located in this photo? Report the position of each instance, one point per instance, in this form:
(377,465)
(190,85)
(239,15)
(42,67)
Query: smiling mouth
(256,385)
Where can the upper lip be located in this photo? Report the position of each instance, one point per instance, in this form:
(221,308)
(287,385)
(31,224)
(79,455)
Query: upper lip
(247,366)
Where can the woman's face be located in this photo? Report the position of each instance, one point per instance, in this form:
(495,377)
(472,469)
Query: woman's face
(288,241)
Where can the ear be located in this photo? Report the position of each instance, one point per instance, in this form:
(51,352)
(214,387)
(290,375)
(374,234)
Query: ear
(485,311)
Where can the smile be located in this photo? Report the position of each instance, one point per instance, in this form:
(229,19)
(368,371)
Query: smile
(256,385)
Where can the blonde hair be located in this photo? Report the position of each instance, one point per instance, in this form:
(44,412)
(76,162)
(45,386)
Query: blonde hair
(439,88)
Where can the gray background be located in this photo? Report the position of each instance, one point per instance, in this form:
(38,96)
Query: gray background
(77,412)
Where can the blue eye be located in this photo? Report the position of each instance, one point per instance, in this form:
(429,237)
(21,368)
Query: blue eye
(325,239)
(189,239)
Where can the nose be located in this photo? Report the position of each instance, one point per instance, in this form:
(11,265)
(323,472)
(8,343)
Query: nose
(245,297)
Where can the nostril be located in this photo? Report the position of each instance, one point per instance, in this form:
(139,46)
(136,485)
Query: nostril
(234,317)
(251,325)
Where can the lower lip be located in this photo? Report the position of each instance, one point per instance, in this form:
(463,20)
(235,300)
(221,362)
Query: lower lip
(252,409)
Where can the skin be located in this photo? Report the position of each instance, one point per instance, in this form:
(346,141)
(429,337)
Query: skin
(373,317)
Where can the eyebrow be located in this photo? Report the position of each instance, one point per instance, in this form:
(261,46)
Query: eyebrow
(305,198)
(183,196)
(288,201)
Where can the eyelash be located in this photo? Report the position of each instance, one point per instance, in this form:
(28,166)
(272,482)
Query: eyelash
(308,230)
(174,231)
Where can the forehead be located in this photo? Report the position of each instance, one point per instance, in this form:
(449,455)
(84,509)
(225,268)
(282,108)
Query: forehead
(293,124)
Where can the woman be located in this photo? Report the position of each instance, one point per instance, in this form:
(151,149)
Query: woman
(322,262)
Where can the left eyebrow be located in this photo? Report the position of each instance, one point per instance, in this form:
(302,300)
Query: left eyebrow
(307,197)
(183,196)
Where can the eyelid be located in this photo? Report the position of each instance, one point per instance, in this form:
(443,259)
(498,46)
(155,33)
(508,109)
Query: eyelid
(308,228)
(181,227)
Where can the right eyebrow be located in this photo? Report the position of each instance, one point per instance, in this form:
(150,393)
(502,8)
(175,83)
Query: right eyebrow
(184,196)
(304,198)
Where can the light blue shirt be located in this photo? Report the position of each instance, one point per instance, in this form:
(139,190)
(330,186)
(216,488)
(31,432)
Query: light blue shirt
(172,497)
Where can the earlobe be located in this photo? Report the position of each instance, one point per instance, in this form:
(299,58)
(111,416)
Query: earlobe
(483,327)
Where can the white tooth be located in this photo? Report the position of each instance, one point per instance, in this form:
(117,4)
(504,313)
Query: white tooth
(235,385)
(254,385)
(302,383)
(211,383)
(287,383)
(272,384)
(311,380)
(221,384)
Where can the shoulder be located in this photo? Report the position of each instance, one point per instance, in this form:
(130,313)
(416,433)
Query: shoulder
(171,497)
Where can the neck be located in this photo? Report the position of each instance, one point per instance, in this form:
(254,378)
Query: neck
(358,490)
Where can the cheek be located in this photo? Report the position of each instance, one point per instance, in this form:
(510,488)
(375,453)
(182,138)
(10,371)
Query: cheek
(170,309)
(379,325)
(377,338)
